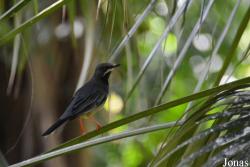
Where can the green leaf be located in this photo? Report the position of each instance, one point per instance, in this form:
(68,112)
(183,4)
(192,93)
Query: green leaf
(233,48)
(44,13)
(19,5)
(154,110)
(93,142)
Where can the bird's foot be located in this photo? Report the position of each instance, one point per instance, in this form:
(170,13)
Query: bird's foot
(98,126)
(82,128)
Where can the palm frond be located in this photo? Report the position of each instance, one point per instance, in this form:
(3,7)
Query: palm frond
(75,147)
(183,52)
(233,48)
(131,32)
(14,9)
(153,52)
(44,13)
(157,109)
(232,132)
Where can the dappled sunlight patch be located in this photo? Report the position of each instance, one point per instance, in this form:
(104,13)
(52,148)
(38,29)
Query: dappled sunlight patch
(156,25)
(203,42)
(162,8)
(244,41)
(216,63)
(114,103)
(170,45)
(227,79)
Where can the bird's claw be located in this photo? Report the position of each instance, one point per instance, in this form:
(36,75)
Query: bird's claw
(98,127)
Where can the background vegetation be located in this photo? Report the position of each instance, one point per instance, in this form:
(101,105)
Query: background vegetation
(180,94)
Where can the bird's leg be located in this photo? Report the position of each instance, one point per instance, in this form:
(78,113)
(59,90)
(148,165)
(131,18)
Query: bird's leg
(97,124)
(82,129)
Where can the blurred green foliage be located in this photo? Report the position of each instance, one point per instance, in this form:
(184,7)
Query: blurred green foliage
(56,63)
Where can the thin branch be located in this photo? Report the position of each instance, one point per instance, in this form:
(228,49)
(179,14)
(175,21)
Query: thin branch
(219,128)
(94,142)
(44,13)
(15,8)
(112,24)
(29,113)
(233,48)
(14,64)
(216,49)
(157,109)
(89,44)
(183,52)
(243,56)
(98,9)
(164,35)
(131,32)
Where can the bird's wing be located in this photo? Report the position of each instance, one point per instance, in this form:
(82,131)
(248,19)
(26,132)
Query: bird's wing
(85,99)
(84,104)
(101,99)
(79,104)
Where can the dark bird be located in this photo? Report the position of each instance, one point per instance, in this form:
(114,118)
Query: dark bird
(88,98)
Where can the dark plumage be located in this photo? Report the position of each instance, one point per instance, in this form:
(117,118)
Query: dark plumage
(90,96)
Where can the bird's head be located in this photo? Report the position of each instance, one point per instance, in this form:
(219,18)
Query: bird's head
(104,70)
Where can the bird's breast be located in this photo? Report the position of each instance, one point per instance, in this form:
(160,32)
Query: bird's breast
(92,111)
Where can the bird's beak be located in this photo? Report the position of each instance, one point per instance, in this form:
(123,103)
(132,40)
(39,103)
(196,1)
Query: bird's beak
(115,65)
(111,68)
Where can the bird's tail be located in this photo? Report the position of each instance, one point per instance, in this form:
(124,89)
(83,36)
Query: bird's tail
(58,123)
